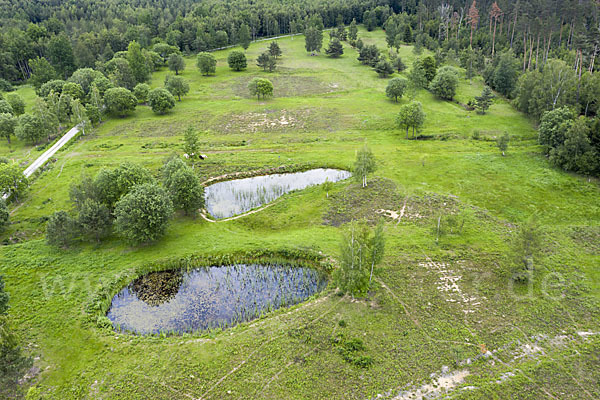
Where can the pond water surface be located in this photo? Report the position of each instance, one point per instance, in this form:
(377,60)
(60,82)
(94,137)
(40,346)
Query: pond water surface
(229,198)
(188,301)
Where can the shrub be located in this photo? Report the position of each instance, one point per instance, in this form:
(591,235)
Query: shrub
(161,100)
(60,230)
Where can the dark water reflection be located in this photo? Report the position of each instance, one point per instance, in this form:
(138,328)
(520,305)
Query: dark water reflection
(229,198)
(179,301)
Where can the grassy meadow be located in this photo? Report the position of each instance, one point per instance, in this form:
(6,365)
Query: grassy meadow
(437,306)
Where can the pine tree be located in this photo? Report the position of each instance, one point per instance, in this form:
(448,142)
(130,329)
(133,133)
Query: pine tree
(384,68)
(483,102)
(274,50)
(266,62)
(398,64)
(335,49)
(314,39)
(353,30)
(473,20)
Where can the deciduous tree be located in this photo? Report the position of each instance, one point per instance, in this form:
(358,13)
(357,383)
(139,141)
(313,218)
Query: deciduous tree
(260,87)
(177,86)
(8,123)
(161,100)
(237,60)
(364,165)
(176,63)
(396,88)
(143,214)
(207,63)
(120,101)
(12,181)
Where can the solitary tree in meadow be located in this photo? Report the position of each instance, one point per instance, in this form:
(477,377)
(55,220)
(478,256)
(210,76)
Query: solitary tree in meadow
(237,60)
(266,61)
(384,68)
(274,50)
(484,101)
(411,116)
(364,165)
(396,88)
(61,229)
(502,142)
(398,64)
(445,83)
(361,248)
(207,63)
(177,86)
(191,146)
(313,39)
(260,87)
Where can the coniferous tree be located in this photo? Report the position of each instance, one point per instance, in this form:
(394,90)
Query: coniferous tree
(313,39)
(484,101)
(335,49)
(274,50)
(353,30)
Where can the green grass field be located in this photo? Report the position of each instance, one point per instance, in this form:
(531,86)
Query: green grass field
(436,308)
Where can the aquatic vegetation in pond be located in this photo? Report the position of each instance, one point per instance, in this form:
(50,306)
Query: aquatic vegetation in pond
(210,297)
(229,198)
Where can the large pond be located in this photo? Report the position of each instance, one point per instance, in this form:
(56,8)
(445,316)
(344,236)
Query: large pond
(229,198)
(210,297)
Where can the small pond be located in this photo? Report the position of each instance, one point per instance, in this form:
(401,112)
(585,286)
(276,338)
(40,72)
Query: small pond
(229,198)
(210,297)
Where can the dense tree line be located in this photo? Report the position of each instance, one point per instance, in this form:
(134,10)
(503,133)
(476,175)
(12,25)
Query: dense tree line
(81,33)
